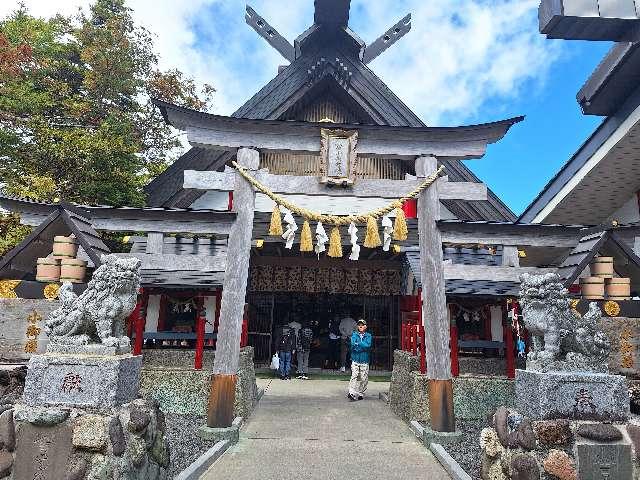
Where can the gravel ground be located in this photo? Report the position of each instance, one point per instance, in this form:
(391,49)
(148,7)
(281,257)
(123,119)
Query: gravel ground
(186,446)
(467,452)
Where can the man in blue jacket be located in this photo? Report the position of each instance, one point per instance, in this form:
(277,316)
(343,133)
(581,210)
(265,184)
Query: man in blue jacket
(360,348)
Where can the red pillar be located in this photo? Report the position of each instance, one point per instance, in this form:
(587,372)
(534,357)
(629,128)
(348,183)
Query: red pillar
(410,208)
(403,335)
(453,334)
(133,318)
(423,350)
(406,336)
(216,321)
(140,321)
(414,338)
(508,344)
(244,338)
(200,327)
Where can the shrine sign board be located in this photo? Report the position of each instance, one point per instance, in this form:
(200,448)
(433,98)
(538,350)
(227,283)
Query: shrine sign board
(338,159)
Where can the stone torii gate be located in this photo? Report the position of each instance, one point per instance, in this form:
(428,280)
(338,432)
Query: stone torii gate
(424,145)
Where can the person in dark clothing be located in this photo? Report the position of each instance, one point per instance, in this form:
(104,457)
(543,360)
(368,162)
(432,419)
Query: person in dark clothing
(285,344)
(334,344)
(305,338)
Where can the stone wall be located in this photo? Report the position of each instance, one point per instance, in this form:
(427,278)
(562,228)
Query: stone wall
(176,358)
(14,319)
(482,365)
(402,382)
(474,397)
(516,447)
(184,390)
(77,444)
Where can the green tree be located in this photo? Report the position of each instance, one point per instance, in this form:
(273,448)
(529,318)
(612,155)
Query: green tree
(76,118)
(76,121)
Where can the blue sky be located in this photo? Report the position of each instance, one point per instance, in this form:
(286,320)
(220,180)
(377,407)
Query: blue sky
(465,61)
(519,166)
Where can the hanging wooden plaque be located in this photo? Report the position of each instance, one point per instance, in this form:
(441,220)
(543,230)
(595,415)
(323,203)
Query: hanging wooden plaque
(338,160)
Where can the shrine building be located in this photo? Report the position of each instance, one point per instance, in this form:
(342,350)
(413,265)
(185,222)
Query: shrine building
(332,139)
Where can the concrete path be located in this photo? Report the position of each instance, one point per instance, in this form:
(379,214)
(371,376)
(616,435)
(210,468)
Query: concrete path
(309,430)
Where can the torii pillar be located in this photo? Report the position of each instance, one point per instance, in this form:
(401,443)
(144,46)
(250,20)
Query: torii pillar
(434,303)
(227,358)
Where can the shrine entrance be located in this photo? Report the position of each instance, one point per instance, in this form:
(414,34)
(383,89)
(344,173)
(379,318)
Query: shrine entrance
(268,310)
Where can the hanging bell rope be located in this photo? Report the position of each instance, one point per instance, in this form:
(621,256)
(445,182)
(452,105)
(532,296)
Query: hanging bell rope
(335,219)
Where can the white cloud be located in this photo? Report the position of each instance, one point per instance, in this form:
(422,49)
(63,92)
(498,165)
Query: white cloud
(459,58)
(460,55)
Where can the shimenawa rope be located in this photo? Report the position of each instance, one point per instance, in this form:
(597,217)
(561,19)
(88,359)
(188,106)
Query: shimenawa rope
(334,219)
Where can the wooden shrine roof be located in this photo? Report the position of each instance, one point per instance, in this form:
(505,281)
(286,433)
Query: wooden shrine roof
(184,261)
(323,67)
(124,219)
(20,262)
(229,133)
(466,287)
(607,242)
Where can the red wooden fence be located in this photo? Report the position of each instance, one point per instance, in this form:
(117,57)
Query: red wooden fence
(412,340)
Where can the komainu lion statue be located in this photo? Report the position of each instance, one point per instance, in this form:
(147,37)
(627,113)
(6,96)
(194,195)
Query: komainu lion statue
(99,313)
(562,339)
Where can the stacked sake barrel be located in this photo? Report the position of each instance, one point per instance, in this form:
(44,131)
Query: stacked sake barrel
(602,282)
(62,265)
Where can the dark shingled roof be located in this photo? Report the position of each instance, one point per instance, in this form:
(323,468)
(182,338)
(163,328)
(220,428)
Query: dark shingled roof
(467,256)
(588,247)
(177,276)
(65,219)
(580,256)
(321,64)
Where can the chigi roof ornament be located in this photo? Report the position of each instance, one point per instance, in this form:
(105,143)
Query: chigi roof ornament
(331,18)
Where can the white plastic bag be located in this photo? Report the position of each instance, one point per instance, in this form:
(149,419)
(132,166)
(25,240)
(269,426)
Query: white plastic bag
(275,362)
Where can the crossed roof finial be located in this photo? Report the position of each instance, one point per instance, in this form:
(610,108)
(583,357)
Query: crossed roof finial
(329,16)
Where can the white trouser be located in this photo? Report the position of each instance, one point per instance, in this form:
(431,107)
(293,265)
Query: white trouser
(359,379)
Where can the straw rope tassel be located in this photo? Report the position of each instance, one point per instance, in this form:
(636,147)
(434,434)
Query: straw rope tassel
(275,228)
(306,240)
(372,239)
(335,244)
(400,230)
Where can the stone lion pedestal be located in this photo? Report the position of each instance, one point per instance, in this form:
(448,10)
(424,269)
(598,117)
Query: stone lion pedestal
(572,395)
(574,409)
(81,416)
(83,379)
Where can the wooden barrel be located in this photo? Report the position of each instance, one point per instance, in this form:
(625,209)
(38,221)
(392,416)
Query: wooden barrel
(72,270)
(592,288)
(48,270)
(602,267)
(64,247)
(618,288)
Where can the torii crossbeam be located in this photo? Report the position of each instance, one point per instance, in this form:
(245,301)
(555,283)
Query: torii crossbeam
(417,143)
